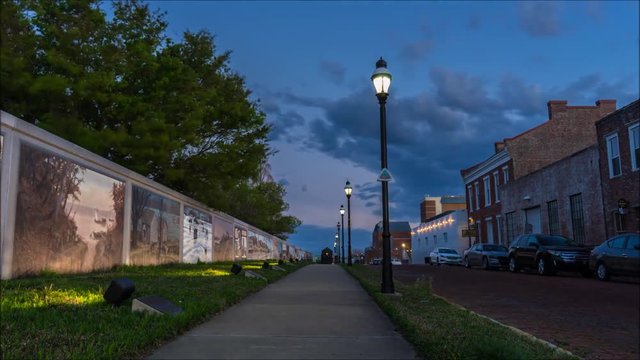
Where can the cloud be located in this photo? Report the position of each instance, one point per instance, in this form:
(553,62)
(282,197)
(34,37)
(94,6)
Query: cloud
(335,70)
(417,51)
(431,136)
(540,19)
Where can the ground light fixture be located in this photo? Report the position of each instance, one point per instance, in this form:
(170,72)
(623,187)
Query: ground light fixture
(381,79)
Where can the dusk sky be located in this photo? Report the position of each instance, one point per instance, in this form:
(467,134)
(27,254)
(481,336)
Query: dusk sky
(465,74)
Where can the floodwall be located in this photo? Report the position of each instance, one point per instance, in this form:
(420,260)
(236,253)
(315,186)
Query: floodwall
(65,209)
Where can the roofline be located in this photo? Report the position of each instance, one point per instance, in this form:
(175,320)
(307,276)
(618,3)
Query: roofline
(499,158)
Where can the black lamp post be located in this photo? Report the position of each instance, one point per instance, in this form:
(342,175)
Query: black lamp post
(335,243)
(381,79)
(342,220)
(469,224)
(347,190)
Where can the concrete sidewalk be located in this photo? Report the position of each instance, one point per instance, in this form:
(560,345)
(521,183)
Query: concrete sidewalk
(318,312)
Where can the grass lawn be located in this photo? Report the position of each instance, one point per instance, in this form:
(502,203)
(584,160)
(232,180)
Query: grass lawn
(64,316)
(440,330)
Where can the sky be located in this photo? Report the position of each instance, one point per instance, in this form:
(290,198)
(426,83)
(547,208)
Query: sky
(465,75)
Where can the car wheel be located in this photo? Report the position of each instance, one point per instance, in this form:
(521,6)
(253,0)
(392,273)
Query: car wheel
(602,272)
(485,263)
(542,266)
(466,262)
(513,265)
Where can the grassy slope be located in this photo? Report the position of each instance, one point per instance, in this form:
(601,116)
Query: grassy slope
(65,316)
(440,330)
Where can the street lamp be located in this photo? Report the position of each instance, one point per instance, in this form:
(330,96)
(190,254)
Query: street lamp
(381,79)
(347,191)
(338,238)
(469,224)
(335,243)
(342,216)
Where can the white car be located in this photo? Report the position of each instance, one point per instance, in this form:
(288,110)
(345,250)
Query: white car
(442,255)
(396,262)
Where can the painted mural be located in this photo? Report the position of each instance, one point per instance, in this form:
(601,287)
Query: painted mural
(197,235)
(222,239)
(240,241)
(68,218)
(155,228)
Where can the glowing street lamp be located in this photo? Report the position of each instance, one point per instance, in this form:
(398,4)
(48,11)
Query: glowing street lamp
(342,216)
(347,191)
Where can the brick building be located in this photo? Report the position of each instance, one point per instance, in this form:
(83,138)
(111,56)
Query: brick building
(569,129)
(562,198)
(619,149)
(432,206)
(400,241)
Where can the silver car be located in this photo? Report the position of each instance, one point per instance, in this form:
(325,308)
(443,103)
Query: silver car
(442,255)
(486,255)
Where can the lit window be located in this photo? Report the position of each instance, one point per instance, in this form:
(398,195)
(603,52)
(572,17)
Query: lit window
(613,155)
(634,146)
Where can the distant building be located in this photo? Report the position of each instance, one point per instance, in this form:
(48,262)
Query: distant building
(570,129)
(443,230)
(400,241)
(432,206)
(619,149)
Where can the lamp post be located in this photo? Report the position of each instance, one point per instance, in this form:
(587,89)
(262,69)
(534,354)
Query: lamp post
(469,223)
(347,190)
(335,243)
(381,79)
(342,217)
(338,239)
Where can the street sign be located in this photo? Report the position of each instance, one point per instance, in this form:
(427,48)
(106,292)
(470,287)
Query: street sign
(468,233)
(622,203)
(385,175)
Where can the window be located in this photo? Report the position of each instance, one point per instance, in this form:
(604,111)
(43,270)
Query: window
(617,242)
(496,182)
(445,237)
(613,155)
(577,218)
(426,241)
(505,174)
(634,146)
(477,194)
(470,196)
(487,191)
(633,241)
(510,223)
(435,239)
(554,221)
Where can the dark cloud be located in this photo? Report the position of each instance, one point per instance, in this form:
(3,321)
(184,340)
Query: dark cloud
(432,136)
(335,70)
(540,19)
(417,51)
(474,22)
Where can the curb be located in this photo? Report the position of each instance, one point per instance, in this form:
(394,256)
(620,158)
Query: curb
(518,331)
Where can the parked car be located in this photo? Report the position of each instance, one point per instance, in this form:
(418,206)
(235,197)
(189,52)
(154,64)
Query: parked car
(396,262)
(376,261)
(486,255)
(548,254)
(619,255)
(442,255)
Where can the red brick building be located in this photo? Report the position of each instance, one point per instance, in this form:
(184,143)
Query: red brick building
(569,129)
(619,149)
(432,206)
(400,234)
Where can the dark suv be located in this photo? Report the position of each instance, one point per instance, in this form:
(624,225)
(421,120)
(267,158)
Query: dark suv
(548,254)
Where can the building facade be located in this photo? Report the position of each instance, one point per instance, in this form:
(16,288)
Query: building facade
(400,241)
(523,154)
(432,206)
(443,230)
(619,149)
(562,198)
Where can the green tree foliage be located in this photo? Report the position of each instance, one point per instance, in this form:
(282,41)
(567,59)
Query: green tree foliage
(171,110)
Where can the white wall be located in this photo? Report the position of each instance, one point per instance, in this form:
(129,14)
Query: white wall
(422,236)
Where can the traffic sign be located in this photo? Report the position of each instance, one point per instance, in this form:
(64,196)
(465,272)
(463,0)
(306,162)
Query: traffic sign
(385,175)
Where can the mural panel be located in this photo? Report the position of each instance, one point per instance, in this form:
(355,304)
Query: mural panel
(68,218)
(155,228)
(240,239)
(197,235)
(252,245)
(222,240)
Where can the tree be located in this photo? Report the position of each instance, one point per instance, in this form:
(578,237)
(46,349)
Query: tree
(120,87)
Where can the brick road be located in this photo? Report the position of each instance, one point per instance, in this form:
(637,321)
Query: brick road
(590,318)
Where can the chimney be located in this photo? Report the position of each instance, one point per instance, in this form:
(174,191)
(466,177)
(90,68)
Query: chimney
(555,107)
(606,106)
(498,145)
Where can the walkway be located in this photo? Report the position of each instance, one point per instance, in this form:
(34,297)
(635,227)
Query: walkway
(318,312)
